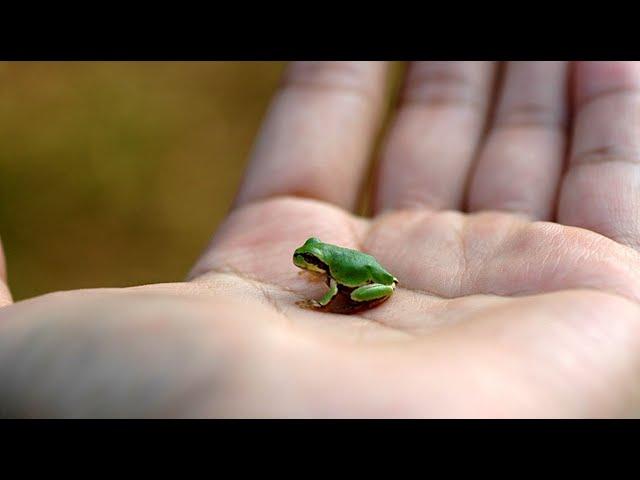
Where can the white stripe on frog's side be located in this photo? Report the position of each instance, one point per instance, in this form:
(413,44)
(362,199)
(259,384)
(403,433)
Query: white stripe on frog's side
(314,268)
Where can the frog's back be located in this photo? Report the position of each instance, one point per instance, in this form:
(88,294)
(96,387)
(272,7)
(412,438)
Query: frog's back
(359,267)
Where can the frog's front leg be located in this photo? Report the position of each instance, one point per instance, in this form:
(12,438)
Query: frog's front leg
(333,291)
(372,291)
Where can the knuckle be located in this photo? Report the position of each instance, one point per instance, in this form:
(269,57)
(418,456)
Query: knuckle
(606,154)
(531,115)
(352,78)
(445,84)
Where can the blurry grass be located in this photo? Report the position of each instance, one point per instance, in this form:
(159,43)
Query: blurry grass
(115,174)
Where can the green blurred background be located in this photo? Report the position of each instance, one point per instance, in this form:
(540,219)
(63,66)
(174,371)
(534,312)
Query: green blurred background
(115,174)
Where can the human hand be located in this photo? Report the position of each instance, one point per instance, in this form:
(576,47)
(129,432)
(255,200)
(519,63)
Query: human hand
(525,306)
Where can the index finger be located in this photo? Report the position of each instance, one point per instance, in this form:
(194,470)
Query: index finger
(318,134)
(5,294)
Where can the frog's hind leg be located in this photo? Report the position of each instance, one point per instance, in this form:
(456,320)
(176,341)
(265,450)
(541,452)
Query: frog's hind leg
(373,291)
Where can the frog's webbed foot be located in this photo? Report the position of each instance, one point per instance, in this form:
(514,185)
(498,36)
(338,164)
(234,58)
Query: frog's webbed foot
(342,303)
(309,304)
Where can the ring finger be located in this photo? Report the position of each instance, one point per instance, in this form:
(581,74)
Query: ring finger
(520,164)
(434,136)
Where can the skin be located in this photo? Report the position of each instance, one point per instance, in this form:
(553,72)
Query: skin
(510,217)
(359,275)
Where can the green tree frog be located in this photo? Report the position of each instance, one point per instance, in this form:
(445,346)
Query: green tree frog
(356,280)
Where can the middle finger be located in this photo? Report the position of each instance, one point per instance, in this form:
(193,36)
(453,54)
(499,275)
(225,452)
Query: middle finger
(434,137)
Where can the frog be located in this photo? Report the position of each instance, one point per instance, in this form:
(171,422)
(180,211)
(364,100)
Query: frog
(355,279)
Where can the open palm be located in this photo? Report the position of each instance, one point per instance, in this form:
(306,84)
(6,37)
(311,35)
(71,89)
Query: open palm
(499,311)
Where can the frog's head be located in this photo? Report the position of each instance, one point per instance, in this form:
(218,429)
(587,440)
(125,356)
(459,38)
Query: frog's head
(310,256)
